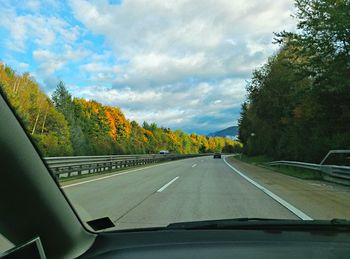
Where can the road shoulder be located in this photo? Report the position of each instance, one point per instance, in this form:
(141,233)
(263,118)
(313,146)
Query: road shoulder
(318,199)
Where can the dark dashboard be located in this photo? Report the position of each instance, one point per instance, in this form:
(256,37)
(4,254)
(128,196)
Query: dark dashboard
(221,244)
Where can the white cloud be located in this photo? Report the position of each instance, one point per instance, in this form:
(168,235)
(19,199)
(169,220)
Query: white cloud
(167,42)
(23,65)
(42,30)
(174,106)
(183,64)
(49,61)
(100,71)
(32,5)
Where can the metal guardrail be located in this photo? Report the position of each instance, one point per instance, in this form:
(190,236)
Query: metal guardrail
(332,173)
(333,152)
(77,165)
(316,167)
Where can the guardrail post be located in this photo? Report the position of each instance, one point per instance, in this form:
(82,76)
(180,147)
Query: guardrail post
(95,164)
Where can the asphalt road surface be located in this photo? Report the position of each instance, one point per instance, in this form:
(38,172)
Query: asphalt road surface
(202,188)
(186,190)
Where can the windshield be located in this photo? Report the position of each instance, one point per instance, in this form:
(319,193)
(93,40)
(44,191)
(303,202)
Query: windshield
(157,112)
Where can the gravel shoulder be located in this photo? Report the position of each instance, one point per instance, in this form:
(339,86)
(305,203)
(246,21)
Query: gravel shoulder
(318,199)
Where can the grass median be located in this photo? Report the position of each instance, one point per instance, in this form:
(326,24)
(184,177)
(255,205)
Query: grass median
(287,170)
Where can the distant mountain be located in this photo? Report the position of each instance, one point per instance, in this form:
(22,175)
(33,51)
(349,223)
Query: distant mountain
(230,131)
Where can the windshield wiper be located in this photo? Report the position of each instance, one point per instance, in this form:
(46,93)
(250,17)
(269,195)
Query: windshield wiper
(263,223)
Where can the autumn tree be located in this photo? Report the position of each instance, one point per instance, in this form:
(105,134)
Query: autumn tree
(47,126)
(64,125)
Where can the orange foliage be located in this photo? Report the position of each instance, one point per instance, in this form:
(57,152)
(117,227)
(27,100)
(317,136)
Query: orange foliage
(119,125)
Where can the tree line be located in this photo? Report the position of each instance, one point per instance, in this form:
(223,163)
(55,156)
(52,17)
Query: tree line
(298,103)
(63,125)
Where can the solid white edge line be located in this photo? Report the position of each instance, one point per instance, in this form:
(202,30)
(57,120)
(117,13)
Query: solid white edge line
(109,176)
(281,201)
(165,186)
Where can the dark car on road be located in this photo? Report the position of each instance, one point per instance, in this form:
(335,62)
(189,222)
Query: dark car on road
(217,155)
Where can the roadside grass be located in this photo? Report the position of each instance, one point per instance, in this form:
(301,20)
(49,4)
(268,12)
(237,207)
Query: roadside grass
(262,161)
(302,173)
(255,160)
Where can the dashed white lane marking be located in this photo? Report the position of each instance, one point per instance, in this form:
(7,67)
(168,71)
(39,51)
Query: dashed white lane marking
(284,203)
(165,186)
(194,165)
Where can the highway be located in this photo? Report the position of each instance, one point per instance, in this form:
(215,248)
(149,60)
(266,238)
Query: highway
(192,189)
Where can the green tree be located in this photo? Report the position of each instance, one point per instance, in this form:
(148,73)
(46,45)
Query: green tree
(298,102)
(64,103)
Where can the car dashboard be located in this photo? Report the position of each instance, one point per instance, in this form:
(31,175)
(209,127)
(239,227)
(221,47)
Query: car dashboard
(221,244)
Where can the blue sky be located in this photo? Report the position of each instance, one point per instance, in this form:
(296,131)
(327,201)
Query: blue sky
(182,64)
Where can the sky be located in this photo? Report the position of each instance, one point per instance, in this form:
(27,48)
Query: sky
(182,64)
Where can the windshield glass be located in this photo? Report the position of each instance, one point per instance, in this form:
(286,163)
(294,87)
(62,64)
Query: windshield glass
(156,112)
